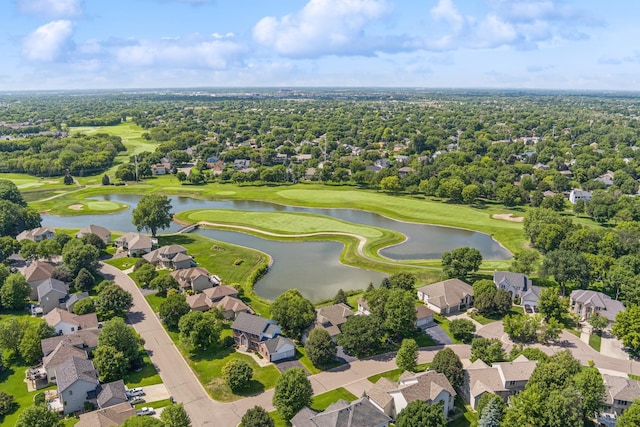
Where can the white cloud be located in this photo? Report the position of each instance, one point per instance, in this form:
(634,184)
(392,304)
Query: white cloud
(49,42)
(54,8)
(446,11)
(324,27)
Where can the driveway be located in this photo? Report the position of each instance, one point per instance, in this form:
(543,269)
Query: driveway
(285,365)
(612,347)
(438,334)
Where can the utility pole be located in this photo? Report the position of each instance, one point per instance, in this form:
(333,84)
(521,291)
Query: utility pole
(135,156)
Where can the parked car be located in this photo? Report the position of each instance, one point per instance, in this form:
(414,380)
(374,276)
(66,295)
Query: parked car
(137,401)
(134,392)
(145,411)
(528,309)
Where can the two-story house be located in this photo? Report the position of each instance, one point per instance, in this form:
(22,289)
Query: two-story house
(255,333)
(584,303)
(172,256)
(620,392)
(195,278)
(78,382)
(135,243)
(36,235)
(35,273)
(65,323)
(358,413)
(447,297)
(331,319)
(514,283)
(52,293)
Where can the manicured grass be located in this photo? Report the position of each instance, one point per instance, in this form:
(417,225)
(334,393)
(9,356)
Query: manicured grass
(147,376)
(515,310)
(595,341)
(208,364)
(301,355)
(278,420)
(155,405)
(394,374)
(574,332)
(634,377)
(70,421)
(124,263)
(468,418)
(322,401)
(154,301)
(444,324)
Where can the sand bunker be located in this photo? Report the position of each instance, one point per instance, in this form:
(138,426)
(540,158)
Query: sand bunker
(76,207)
(508,217)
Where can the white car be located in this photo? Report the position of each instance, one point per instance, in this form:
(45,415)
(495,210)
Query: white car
(145,411)
(134,392)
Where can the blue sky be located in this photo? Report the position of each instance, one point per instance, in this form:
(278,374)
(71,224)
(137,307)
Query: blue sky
(544,44)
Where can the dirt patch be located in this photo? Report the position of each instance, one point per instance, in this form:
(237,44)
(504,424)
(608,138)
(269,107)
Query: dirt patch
(76,207)
(51,182)
(508,217)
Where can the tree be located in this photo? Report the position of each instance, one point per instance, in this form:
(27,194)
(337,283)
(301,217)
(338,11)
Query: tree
(256,417)
(630,417)
(14,292)
(502,302)
(524,261)
(491,415)
(8,247)
(487,398)
(460,262)
(172,309)
(403,280)
(164,283)
(292,392)
(550,331)
(143,422)
(361,335)
(47,249)
(152,213)
(567,268)
(11,333)
(111,363)
(123,338)
(399,313)
(38,416)
(551,305)
(522,328)
(9,191)
(145,274)
(84,306)
(237,374)
(598,322)
(447,362)
(175,416)
(462,329)
(30,349)
(592,389)
(489,350)
(391,184)
(29,250)
(77,255)
(199,330)
(93,240)
(293,312)
(484,292)
(7,403)
(68,180)
(340,297)
(84,281)
(106,180)
(112,301)
(470,193)
(320,348)
(407,357)
(15,218)
(627,329)
(420,414)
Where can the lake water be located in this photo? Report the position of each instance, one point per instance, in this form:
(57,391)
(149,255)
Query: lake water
(312,267)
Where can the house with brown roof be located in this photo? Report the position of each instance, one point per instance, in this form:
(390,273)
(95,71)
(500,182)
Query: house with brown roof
(330,318)
(620,392)
(431,387)
(230,307)
(135,243)
(447,297)
(172,256)
(584,303)
(108,417)
(65,323)
(504,379)
(111,394)
(36,235)
(424,316)
(277,348)
(195,278)
(86,340)
(216,293)
(199,302)
(35,273)
(359,413)
(101,232)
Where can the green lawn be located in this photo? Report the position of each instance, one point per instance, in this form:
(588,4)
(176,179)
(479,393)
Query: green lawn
(468,419)
(394,374)
(147,376)
(515,310)
(444,324)
(155,405)
(12,382)
(595,341)
(121,263)
(318,403)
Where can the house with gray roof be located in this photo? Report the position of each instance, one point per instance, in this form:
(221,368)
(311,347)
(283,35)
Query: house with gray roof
(35,273)
(195,278)
(330,318)
(584,303)
(60,354)
(73,299)
(230,307)
(108,417)
(171,256)
(430,387)
(359,413)
(135,243)
(514,283)
(199,302)
(250,330)
(111,394)
(101,232)
(620,392)
(446,297)
(86,340)
(77,383)
(65,323)
(277,348)
(216,293)
(36,235)
(52,293)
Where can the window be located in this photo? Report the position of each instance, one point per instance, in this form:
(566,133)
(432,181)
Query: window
(70,392)
(73,329)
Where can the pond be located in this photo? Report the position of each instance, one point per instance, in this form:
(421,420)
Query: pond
(316,262)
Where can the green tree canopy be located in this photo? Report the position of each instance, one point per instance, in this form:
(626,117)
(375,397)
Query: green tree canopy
(112,301)
(172,309)
(293,312)
(460,262)
(237,374)
(420,414)
(175,416)
(407,357)
(110,362)
(361,335)
(462,329)
(447,362)
(320,348)
(123,338)
(292,392)
(38,416)
(256,417)
(152,213)
(14,292)
(77,255)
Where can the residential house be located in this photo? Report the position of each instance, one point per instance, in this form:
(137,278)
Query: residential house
(77,383)
(424,317)
(577,194)
(112,416)
(231,307)
(531,296)
(620,392)
(431,387)
(111,394)
(37,234)
(447,297)
(160,169)
(301,158)
(359,413)
(503,379)
(240,164)
(277,348)
(101,232)
(606,178)
(73,299)
(172,256)
(250,330)
(195,278)
(405,171)
(65,323)
(363,307)
(199,302)
(514,283)
(585,303)
(60,354)
(330,318)
(135,243)
(86,340)
(216,293)
(52,293)
(35,273)
(216,167)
